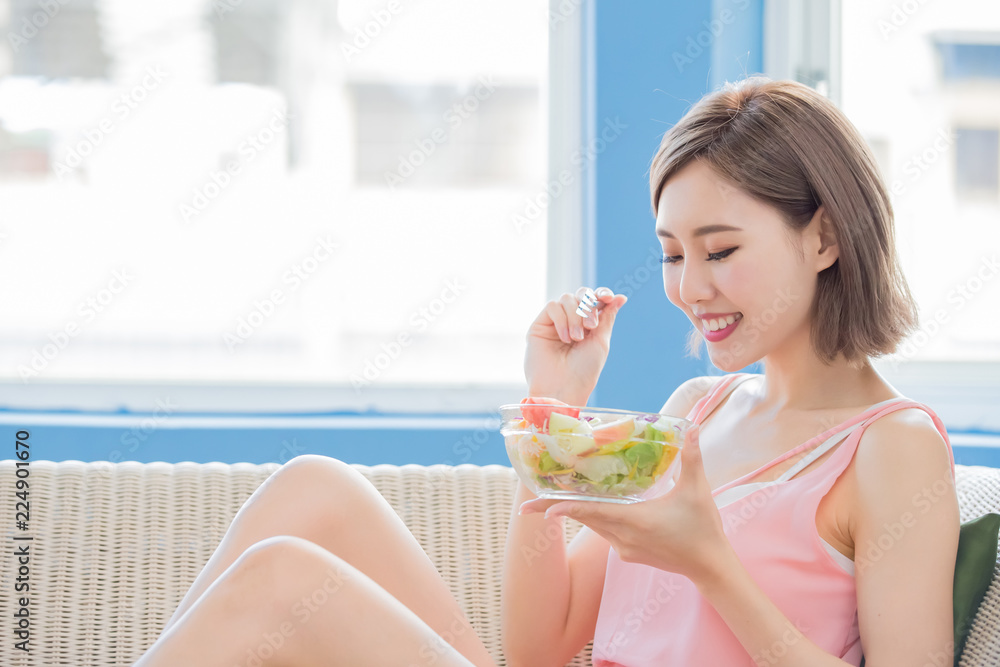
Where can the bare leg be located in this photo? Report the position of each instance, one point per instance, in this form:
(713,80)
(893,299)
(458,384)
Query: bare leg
(287,601)
(327,502)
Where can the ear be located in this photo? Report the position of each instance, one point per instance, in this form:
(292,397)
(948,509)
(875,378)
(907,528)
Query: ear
(825,245)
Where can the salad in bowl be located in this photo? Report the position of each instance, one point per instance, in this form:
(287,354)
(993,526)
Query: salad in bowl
(569,452)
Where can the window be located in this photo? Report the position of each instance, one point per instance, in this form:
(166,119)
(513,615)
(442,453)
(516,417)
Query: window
(964,56)
(485,136)
(921,82)
(259,193)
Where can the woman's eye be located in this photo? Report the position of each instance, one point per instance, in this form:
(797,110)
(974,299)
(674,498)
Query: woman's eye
(722,254)
(715,256)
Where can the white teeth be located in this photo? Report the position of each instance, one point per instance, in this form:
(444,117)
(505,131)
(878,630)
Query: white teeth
(720,323)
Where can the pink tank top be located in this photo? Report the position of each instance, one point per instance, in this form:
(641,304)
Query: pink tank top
(650,616)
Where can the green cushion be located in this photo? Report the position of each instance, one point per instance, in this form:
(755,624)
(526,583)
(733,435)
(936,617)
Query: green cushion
(977,554)
(974,562)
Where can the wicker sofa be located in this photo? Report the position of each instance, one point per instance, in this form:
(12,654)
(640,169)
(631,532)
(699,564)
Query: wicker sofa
(116,545)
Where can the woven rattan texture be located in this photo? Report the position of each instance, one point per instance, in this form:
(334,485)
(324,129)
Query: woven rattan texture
(116,546)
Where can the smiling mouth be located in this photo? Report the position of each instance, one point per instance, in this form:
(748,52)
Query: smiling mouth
(717,323)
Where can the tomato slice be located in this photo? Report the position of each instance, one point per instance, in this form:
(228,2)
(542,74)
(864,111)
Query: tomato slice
(614,431)
(539,414)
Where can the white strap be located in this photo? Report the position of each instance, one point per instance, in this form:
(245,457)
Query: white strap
(828,444)
(816,453)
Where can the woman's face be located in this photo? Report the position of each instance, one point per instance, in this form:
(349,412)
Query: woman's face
(731,266)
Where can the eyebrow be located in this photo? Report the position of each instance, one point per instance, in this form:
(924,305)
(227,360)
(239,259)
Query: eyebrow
(702,231)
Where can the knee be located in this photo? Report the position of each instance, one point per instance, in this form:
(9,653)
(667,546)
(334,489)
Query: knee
(284,568)
(324,486)
(322,471)
(320,492)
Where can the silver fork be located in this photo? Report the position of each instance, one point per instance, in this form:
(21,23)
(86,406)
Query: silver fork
(587,303)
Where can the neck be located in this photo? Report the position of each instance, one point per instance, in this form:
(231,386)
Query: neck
(795,378)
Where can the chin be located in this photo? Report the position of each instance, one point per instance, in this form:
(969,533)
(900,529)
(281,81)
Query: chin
(728,366)
(726,360)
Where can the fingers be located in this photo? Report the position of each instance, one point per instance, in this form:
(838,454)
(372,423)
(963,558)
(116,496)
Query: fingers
(691,459)
(610,312)
(560,320)
(569,508)
(599,300)
(536,505)
(691,439)
(591,303)
(575,322)
(599,516)
(564,312)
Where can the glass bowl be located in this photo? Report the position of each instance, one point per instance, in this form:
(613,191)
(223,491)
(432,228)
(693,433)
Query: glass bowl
(568,452)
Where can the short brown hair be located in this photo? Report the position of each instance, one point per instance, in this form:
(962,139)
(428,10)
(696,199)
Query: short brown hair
(786,145)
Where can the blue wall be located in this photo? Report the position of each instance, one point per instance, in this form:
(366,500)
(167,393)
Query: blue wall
(653,60)
(397,440)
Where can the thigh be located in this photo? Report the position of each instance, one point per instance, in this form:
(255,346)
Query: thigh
(287,601)
(331,504)
(341,511)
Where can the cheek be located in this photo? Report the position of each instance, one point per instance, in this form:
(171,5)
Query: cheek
(746,286)
(740,278)
(755,280)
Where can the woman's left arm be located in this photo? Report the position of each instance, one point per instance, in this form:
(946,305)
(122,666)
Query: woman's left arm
(906,539)
(905,527)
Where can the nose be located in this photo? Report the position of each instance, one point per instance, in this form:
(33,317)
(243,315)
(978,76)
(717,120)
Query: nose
(696,283)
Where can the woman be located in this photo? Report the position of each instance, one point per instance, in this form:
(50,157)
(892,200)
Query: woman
(778,245)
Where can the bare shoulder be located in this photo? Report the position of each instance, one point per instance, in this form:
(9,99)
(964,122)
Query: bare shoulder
(687,394)
(908,432)
(903,451)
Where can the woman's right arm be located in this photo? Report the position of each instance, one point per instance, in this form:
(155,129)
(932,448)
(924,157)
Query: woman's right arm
(563,359)
(552,592)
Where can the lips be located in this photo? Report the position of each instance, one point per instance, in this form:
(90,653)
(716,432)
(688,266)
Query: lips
(718,326)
